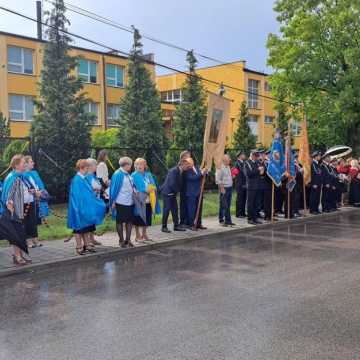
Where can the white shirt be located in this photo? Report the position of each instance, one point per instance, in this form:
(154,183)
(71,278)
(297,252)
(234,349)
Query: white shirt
(102,172)
(125,195)
(28,197)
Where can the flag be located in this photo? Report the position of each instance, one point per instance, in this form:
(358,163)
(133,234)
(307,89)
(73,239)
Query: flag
(216,127)
(304,154)
(290,161)
(276,167)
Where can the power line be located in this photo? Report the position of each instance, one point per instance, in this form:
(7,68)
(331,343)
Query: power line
(143,59)
(92,15)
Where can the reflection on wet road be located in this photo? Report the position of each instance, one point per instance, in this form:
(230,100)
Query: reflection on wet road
(291,292)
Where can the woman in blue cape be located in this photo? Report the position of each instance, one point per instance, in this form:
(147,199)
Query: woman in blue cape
(13,212)
(44,195)
(97,188)
(144,182)
(85,210)
(122,201)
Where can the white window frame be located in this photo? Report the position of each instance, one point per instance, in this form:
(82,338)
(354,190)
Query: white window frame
(22,64)
(170,98)
(269,117)
(254,119)
(117,67)
(253,95)
(88,74)
(111,118)
(88,108)
(296,128)
(23,111)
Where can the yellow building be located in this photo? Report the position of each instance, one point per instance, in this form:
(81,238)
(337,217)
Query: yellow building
(104,75)
(262,114)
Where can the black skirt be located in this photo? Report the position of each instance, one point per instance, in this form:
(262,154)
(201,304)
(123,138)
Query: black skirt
(30,221)
(85,230)
(124,214)
(138,221)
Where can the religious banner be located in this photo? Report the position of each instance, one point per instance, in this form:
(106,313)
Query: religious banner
(304,154)
(215,130)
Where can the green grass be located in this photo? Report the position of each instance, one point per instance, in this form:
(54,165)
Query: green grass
(57,226)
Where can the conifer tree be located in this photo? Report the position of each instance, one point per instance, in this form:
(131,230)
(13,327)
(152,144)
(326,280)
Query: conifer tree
(141,125)
(190,114)
(243,139)
(61,127)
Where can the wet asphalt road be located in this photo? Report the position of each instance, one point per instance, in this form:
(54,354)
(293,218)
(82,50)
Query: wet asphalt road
(291,292)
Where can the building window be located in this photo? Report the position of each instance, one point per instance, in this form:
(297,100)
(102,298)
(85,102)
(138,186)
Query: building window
(253,124)
(21,108)
(172,96)
(87,71)
(267,86)
(269,119)
(253,88)
(114,75)
(113,114)
(296,128)
(92,108)
(20,60)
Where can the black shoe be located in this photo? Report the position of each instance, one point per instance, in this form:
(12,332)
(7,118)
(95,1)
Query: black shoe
(241,216)
(257,222)
(221,221)
(230,224)
(252,222)
(201,227)
(124,245)
(165,230)
(179,228)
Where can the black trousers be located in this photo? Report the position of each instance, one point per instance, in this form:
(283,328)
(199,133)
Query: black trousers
(170,205)
(251,205)
(314,200)
(326,200)
(279,199)
(259,201)
(267,203)
(183,209)
(240,201)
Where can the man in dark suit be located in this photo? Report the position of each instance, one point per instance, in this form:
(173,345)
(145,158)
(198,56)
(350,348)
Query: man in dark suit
(186,154)
(193,177)
(240,184)
(169,190)
(329,186)
(253,172)
(316,183)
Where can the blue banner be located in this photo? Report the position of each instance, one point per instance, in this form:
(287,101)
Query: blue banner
(276,167)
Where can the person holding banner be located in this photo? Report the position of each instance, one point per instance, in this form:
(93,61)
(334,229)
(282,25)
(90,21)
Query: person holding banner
(224,181)
(315,184)
(253,172)
(184,219)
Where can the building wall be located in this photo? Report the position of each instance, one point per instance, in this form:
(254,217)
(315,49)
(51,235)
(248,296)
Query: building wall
(235,75)
(23,84)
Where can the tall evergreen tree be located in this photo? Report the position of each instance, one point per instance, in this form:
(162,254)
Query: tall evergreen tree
(190,114)
(243,139)
(61,127)
(141,125)
(4,132)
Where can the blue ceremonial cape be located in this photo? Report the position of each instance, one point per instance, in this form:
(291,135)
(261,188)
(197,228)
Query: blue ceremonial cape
(139,183)
(115,187)
(44,206)
(84,208)
(8,183)
(276,168)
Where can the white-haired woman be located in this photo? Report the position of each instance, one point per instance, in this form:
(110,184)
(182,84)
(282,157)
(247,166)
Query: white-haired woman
(354,194)
(145,183)
(122,202)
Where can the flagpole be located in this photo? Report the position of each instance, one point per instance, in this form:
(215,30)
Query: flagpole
(272,202)
(194,226)
(304,196)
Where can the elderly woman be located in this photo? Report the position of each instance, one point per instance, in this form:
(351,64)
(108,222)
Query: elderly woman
(354,194)
(85,210)
(145,183)
(15,211)
(95,184)
(122,202)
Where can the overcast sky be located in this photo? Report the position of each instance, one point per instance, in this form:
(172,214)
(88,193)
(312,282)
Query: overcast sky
(227,30)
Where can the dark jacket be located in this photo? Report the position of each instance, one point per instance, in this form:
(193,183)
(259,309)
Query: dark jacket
(193,182)
(327,177)
(240,180)
(252,175)
(316,174)
(173,182)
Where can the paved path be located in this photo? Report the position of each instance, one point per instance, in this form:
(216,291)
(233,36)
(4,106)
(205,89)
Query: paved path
(56,252)
(288,292)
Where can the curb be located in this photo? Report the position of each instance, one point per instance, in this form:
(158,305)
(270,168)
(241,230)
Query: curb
(118,253)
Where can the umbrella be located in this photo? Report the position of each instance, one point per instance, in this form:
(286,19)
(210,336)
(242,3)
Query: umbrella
(140,204)
(338,151)
(12,231)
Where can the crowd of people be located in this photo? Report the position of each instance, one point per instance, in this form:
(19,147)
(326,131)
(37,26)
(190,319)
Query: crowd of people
(132,196)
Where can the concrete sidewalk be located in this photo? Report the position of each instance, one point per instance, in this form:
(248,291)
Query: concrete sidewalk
(55,253)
